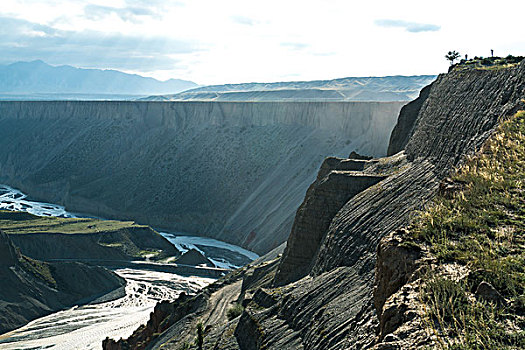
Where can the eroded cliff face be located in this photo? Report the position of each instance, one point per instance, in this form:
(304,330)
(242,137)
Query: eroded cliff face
(406,122)
(32,288)
(337,182)
(233,171)
(354,295)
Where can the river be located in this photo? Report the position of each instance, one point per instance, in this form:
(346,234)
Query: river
(84,327)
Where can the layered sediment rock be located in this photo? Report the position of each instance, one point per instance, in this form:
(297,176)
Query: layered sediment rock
(31,288)
(122,244)
(353,295)
(405,123)
(325,197)
(232,171)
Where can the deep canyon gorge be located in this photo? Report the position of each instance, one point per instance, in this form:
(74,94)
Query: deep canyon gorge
(235,171)
(344,184)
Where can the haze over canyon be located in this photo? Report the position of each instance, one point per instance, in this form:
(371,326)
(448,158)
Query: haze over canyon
(262,175)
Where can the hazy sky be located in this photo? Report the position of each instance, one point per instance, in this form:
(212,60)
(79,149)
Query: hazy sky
(227,41)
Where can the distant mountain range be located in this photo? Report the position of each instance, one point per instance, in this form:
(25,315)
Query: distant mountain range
(39,80)
(391,88)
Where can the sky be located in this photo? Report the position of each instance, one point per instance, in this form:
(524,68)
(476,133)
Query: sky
(234,41)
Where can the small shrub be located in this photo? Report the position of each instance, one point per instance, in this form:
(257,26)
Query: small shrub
(235,311)
(486,61)
(447,301)
(199,340)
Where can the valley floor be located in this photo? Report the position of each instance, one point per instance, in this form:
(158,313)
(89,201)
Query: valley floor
(85,327)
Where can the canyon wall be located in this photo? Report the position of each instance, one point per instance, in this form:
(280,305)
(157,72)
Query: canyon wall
(232,171)
(331,289)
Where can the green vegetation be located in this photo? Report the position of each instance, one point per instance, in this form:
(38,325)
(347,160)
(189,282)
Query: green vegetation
(101,238)
(452,56)
(235,311)
(150,254)
(480,226)
(489,63)
(199,339)
(24,223)
(39,269)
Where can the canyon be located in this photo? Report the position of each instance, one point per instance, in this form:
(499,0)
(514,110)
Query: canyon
(234,171)
(72,281)
(341,183)
(348,277)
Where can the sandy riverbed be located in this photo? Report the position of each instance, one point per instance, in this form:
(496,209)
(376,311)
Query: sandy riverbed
(86,326)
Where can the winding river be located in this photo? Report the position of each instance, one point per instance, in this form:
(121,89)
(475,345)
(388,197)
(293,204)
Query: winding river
(84,327)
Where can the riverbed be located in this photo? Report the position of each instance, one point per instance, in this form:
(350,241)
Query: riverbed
(222,254)
(85,327)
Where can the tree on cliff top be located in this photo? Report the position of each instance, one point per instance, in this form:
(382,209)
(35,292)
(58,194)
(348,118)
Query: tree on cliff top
(452,56)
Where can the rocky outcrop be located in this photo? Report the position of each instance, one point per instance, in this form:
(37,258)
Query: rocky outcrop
(398,263)
(461,112)
(233,171)
(83,239)
(195,258)
(31,288)
(337,182)
(259,276)
(354,294)
(405,123)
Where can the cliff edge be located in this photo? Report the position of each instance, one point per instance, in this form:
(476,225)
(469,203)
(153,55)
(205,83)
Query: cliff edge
(342,281)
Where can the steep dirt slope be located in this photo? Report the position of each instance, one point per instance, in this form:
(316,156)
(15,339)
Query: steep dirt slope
(333,305)
(31,288)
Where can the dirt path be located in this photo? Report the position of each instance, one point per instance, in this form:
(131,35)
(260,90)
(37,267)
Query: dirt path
(220,302)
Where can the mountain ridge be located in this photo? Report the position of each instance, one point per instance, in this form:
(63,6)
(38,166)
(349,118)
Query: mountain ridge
(387,88)
(39,77)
